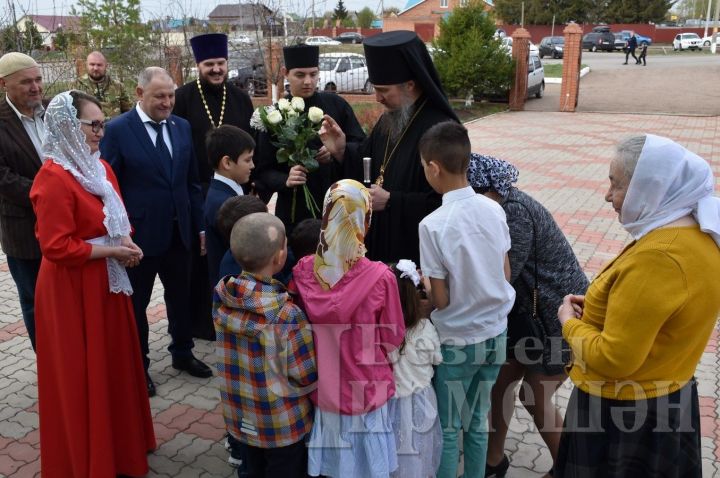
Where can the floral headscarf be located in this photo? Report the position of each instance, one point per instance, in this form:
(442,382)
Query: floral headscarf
(345,221)
(493,173)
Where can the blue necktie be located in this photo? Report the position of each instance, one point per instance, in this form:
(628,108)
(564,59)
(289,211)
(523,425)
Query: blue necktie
(161,148)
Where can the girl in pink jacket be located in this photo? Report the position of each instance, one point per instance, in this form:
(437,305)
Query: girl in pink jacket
(354,308)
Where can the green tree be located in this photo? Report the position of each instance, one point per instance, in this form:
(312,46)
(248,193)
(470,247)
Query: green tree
(114,27)
(365,17)
(541,12)
(640,11)
(12,39)
(340,12)
(31,37)
(469,59)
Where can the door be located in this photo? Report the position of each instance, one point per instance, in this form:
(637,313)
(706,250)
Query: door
(343,75)
(358,73)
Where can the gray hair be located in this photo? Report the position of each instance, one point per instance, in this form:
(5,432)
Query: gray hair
(147,75)
(628,153)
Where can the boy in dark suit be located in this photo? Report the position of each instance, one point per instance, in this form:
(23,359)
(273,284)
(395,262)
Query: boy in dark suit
(230,154)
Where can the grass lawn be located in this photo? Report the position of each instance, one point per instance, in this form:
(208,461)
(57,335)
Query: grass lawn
(555,71)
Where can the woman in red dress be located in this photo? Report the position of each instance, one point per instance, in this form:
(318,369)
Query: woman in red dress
(94,411)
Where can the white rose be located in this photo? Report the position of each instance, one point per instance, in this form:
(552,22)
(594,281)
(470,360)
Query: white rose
(298,103)
(292,113)
(283,104)
(315,114)
(274,117)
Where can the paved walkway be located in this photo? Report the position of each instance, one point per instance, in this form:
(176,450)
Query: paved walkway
(563,159)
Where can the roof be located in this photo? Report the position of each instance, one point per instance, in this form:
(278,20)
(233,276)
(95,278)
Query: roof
(236,10)
(413,3)
(52,22)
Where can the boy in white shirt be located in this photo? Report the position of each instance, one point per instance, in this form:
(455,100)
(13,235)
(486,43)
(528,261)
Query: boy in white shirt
(463,257)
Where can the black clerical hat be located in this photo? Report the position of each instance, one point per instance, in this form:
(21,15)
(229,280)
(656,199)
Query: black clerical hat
(399,56)
(386,59)
(301,56)
(210,45)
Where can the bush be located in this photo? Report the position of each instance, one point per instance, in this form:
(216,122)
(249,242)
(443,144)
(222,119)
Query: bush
(469,59)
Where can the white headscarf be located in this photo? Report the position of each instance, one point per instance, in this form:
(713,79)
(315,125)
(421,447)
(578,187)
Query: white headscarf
(65,145)
(670,182)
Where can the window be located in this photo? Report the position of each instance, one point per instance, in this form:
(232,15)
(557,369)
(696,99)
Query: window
(443,3)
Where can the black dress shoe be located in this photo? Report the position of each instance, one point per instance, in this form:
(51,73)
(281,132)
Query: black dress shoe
(498,470)
(192,366)
(150,386)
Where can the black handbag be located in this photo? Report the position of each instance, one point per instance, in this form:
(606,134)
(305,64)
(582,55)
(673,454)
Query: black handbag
(556,353)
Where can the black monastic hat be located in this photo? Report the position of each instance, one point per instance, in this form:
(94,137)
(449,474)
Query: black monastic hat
(301,56)
(399,56)
(210,45)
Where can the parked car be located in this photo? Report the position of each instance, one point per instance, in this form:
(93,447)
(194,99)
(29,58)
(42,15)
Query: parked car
(707,41)
(241,40)
(508,42)
(599,41)
(247,72)
(685,41)
(620,42)
(344,72)
(350,37)
(641,39)
(551,46)
(321,41)
(536,77)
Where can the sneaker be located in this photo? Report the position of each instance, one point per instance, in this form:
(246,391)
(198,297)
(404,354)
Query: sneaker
(235,458)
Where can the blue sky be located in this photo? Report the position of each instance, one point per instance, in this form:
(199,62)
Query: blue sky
(200,8)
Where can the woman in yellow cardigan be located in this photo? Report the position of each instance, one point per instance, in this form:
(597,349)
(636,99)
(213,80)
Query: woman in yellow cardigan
(639,332)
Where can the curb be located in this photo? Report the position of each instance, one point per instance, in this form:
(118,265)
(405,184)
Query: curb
(583,72)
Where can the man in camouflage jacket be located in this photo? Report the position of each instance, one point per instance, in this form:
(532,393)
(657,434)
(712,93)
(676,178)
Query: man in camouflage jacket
(96,82)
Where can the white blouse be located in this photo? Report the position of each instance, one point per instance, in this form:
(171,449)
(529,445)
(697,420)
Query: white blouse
(413,368)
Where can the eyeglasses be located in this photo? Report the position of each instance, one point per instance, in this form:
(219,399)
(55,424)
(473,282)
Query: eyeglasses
(95,125)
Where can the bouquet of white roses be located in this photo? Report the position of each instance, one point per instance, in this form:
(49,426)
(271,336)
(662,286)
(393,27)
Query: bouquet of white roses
(291,129)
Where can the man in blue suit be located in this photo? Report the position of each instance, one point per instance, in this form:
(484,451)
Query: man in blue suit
(152,155)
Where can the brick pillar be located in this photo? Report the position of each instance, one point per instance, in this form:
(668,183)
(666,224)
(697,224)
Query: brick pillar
(173,55)
(572,56)
(520,54)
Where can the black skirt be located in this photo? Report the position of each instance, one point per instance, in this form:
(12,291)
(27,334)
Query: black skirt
(654,438)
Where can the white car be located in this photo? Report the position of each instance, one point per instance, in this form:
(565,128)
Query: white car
(536,76)
(344,72)
(320,41)
(241,40)
(707,41)
(508,42)
(685,41)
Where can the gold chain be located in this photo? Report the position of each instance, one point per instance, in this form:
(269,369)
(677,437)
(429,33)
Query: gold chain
(207,109)
(386,160)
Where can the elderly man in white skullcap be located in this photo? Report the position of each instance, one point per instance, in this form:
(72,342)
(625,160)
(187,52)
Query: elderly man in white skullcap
(21,121)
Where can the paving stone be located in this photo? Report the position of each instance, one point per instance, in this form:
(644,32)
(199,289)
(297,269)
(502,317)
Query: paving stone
(26,419)
(196,448)
(171,448)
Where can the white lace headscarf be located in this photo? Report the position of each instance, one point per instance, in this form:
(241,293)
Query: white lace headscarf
(65,145)
(670,182)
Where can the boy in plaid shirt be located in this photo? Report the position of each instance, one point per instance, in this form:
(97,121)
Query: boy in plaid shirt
(265,353)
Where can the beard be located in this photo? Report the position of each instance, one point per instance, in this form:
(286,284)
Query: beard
(395,121)
(96,77)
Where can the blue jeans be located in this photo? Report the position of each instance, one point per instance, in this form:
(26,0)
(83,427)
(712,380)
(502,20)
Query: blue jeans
(463,383)
(25,272)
